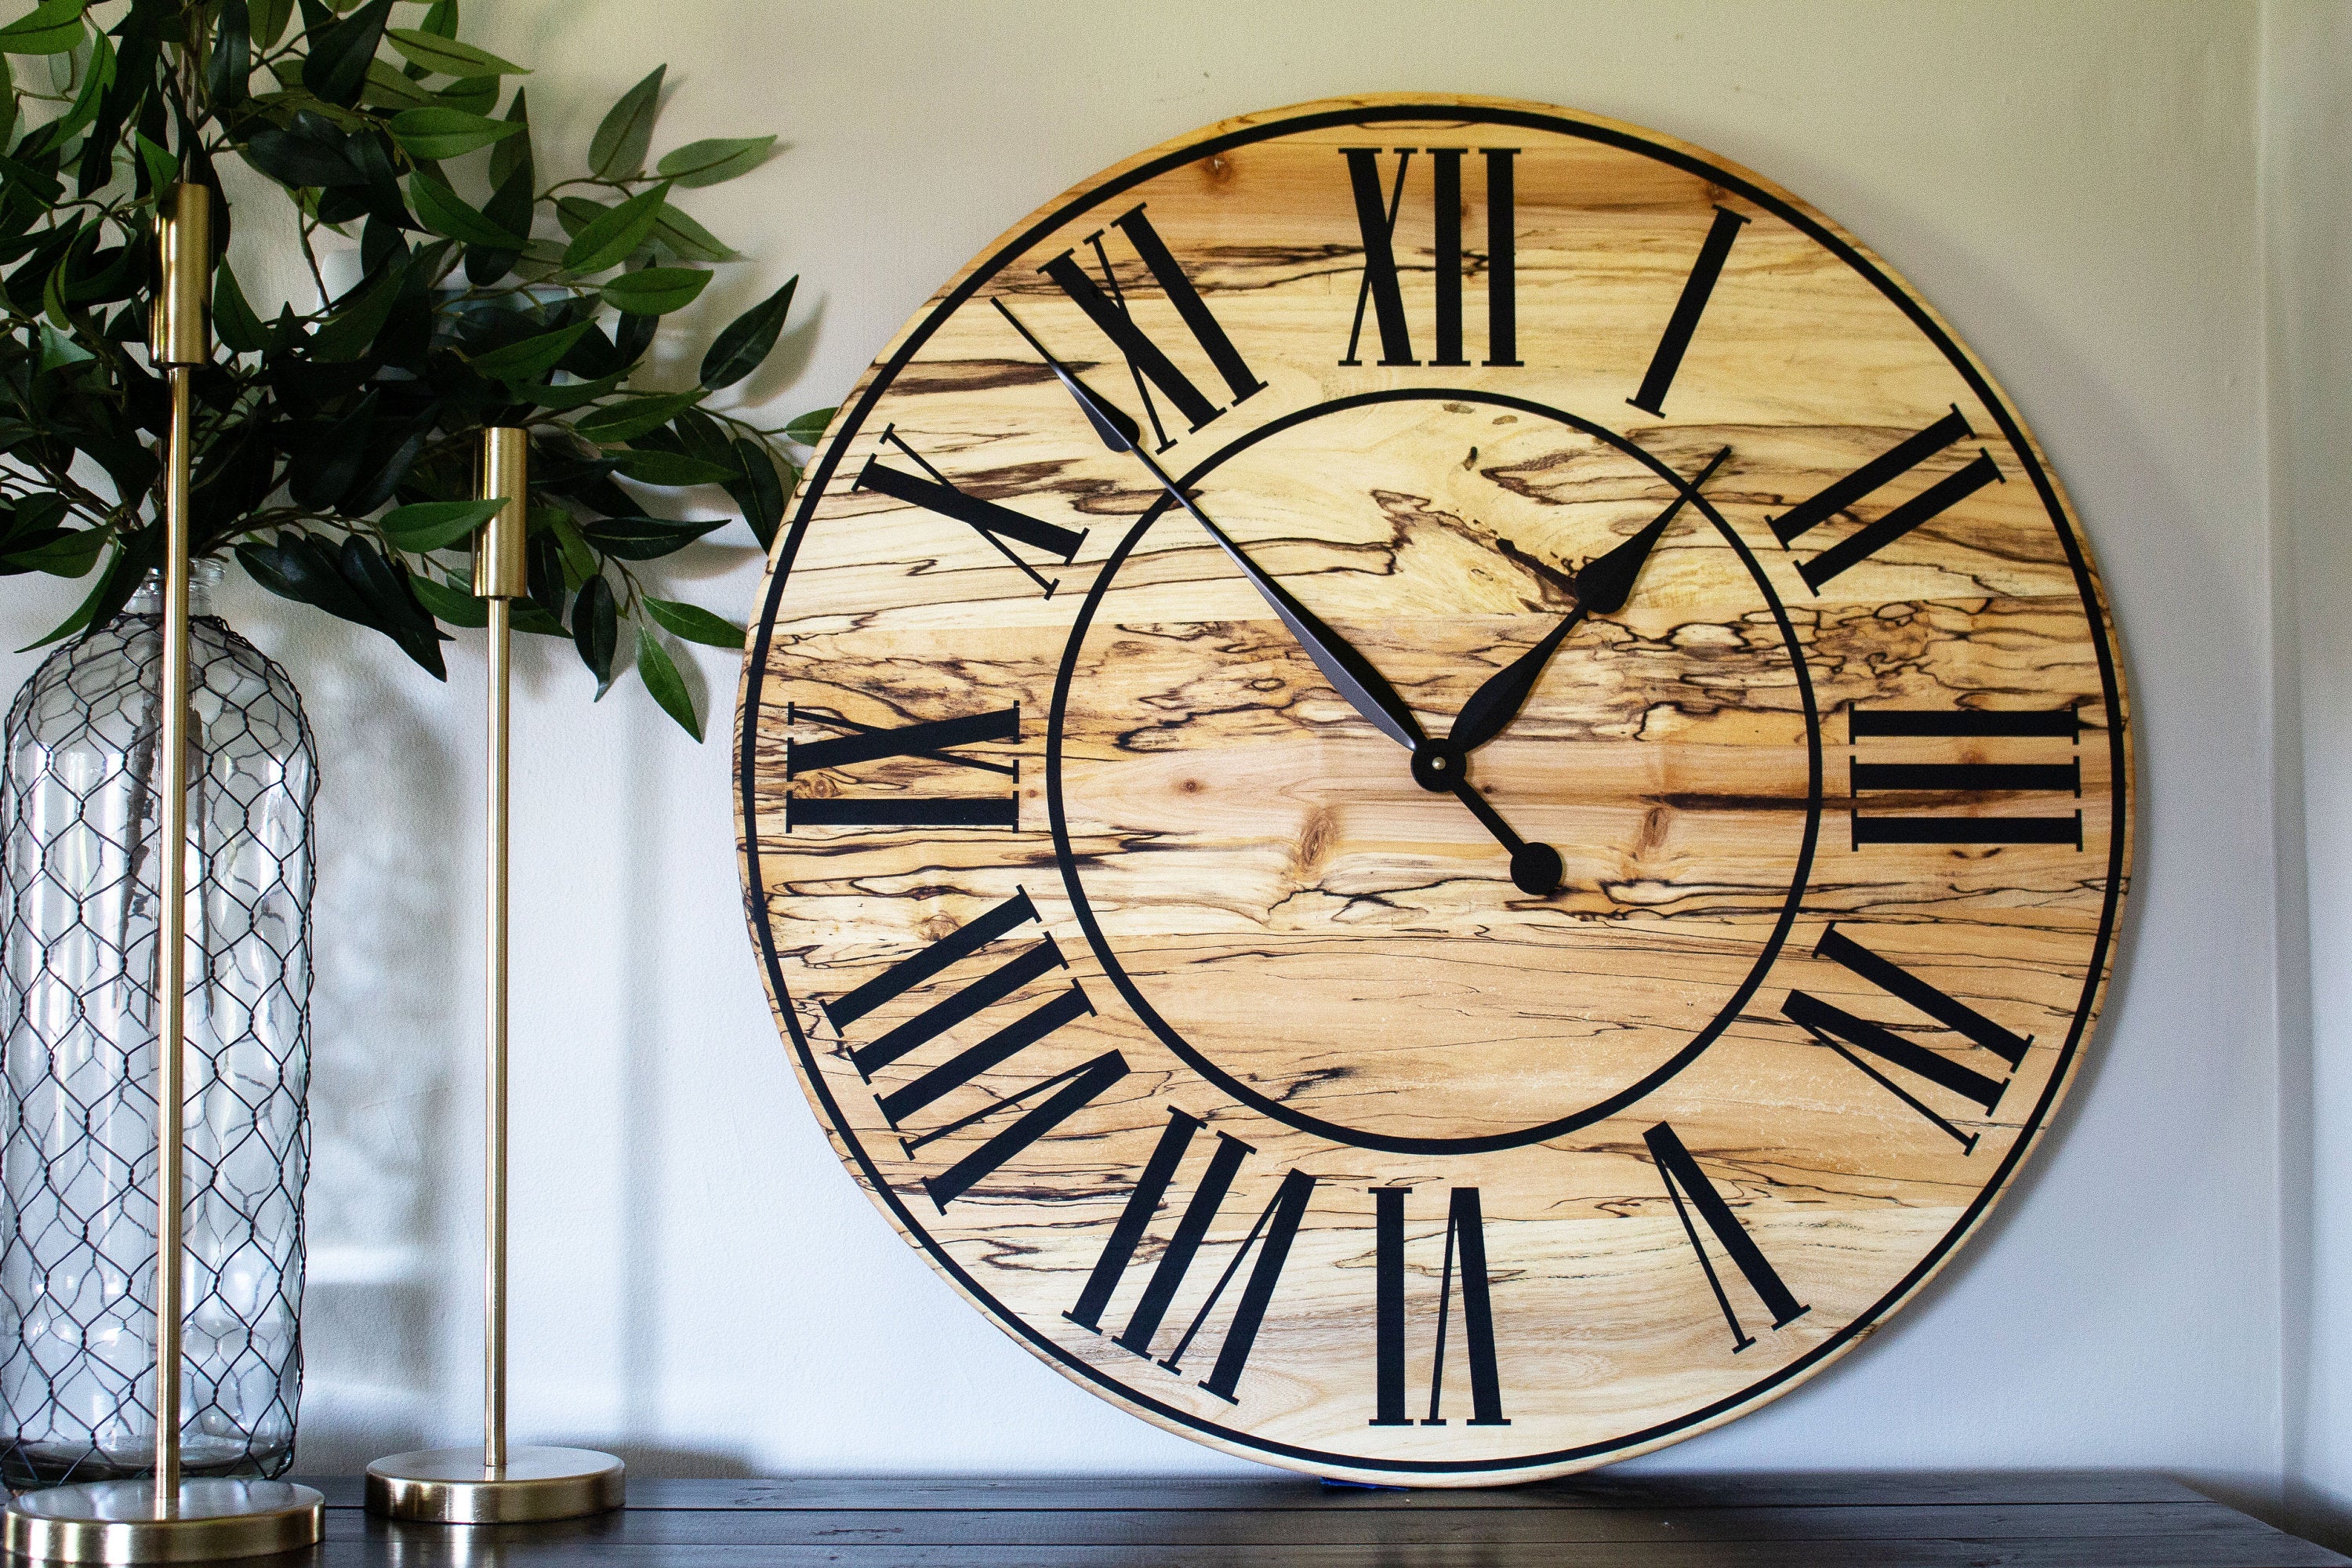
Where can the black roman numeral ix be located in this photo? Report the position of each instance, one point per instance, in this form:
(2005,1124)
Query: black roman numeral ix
(1147,362)
(1837,1029)
(1963,778)
(1873,476)
(1697,288)
(1276,1228)
(1382,285)
(933,739)
(1058,1099)
(995,523)
(1682,1177)
(1465,1236)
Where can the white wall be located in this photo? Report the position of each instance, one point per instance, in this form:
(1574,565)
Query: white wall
(698,1281)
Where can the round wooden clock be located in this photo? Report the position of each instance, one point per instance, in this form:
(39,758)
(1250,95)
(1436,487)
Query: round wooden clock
(1434,788)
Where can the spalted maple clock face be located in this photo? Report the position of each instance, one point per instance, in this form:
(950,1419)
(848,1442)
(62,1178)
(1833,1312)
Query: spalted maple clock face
(1536,905)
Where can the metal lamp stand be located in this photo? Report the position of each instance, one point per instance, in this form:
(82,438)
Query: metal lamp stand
(495,1484)
(167,1519)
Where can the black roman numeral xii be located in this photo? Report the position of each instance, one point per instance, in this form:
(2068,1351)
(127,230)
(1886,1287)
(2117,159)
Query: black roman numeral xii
(1383,287)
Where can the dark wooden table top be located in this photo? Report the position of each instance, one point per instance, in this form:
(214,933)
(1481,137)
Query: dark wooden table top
(1983,1520)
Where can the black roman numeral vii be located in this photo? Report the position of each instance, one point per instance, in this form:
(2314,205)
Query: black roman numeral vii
(1465,1236)
(1376,219)
(1875,475)
(1697,288)
(1064,1095)
(1147,361)
(1963,778)
(1682,1177)
(933,739)
(997,523)
(1277,1225)
(1837,1029)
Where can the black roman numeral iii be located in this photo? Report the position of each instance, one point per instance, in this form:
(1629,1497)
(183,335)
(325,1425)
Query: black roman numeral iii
(1382,285)
(1682,1177)
(1837,1029)
(1064,1095)
(931,739)
(995,523)
(1147,362)
(1277,1227)
(1963,778)
(1873,476)
(1465,1237)
(1697,288)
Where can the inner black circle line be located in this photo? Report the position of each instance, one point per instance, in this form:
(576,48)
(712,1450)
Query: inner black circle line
(1082,909)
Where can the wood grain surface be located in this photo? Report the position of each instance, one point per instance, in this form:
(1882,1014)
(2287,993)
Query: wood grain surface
(1813,978)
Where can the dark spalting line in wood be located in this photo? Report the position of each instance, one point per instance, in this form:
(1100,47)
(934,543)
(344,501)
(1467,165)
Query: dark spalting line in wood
(957,378)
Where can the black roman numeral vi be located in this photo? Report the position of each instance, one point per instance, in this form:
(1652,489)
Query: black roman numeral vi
(1064,1095)
(1276,1228)
(1383,287)
(1465,1237)
(995,523)
(932,739)
(1683,1178)
(1963,778)
(1873,476)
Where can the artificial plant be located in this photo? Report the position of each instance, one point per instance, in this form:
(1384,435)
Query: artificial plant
(334,447)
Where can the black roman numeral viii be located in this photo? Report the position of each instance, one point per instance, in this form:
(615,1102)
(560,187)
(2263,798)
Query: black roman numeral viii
(1683,1178)
(1837,1029)
(1276,1228)
(1383,287)
(1147,362)
(995,523)
(1873,476)
(931,739)
(1466,1238)
(1056,1098)
(1963,777)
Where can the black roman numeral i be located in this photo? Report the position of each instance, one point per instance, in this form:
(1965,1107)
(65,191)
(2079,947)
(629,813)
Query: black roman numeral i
(1683,1178)
(1383,287)
(993,523)
(1963,778)
(1466,1240)
(1058,1099)
(1276,1229)
(1697,288)
(931,739)
(1873,476)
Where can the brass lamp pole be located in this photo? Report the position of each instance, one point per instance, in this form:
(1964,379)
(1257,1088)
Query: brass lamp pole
(167,1517)
(495,1484)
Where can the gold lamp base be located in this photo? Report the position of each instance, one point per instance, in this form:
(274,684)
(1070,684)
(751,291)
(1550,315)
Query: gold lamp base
(452,1486)
(115,1521)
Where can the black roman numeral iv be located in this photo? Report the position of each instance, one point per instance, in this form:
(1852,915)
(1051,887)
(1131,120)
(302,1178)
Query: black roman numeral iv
(931,739)
(1383,287)
(1064,1095)
(1466,1240)
(1963,778)
(1873,476)
(1684,1179)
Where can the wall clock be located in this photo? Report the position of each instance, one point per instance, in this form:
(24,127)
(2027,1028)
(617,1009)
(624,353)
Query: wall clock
(1434,788)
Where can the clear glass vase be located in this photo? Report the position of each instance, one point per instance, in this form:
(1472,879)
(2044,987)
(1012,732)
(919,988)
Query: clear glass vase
(79,813)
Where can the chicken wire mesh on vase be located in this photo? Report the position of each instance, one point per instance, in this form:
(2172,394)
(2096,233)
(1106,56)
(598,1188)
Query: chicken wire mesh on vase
(78,874)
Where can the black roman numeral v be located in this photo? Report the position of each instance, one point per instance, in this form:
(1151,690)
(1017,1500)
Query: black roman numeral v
(1277,1224)
(1107,308)
(995,523)
(1383,287)
(1683,1176)
(1465,1237)
(1064,1095)
(1873,476)
(1837,1029)
(931,739)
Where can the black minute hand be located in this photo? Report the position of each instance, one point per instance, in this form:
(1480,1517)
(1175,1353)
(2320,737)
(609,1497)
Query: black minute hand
(1602,586)
(1349,672)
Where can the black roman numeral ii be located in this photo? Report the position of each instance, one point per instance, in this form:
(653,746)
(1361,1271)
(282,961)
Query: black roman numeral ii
(995,523)
(1278,1227)
(932,739)
(1873,476)
(1465,1237)
(1837,1029)
(1682,1177)
(1963,778)
(1064,1095)
(1107,308)
(1383,287)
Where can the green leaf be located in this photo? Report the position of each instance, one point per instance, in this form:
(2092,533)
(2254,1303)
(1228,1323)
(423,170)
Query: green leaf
(474,94)
(746,340)
(673,469)
(436,134)
(53,27)
(687,239)
(571,396)
(627,421)
(57,349)
(656,291)
(533,356)
(72,556)
(231,65)
(648,538)
(387,88)
(611,237)
(579,561)
(694,623)
(760,492)
(662,679)
(514,152)
(233,318)
(448,56)
(577,213)
(707,163)
(617,151)
(163,167)
(350,331)
(595,630)
(809,428)
(336,67)
(436,524)
(269,18)
(113,588)
(454,606)
(444,212)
